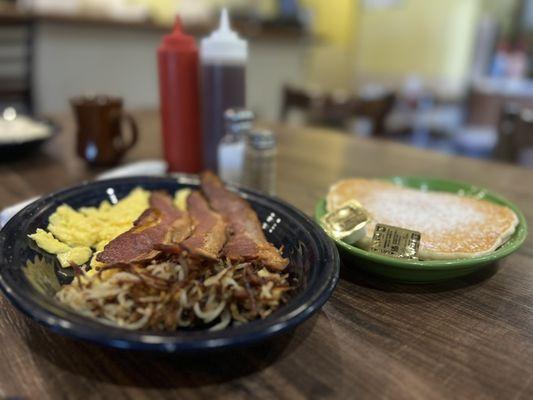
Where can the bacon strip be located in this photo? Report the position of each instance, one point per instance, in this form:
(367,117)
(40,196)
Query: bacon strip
(210,230)
(180,221)
(247,241)
(161,223)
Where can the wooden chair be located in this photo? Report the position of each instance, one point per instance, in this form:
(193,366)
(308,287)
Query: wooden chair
(515,132)
(336,109)
(376,110)
(16,52)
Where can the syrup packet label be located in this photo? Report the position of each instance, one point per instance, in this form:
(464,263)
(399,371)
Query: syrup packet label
(395,242)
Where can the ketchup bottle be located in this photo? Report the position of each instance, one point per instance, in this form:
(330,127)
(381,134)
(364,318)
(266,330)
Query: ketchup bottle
(180,103)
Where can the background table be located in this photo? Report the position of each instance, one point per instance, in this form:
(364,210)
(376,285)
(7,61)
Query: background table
(467,338)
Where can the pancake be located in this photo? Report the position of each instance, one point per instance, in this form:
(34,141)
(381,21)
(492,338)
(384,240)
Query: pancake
(452,226)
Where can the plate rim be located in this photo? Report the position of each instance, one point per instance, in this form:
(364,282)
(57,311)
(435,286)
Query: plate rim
(54,131)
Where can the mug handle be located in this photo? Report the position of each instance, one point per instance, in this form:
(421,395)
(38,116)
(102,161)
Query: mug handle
(134,132)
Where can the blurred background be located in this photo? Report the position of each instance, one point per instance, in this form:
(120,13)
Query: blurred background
(451,75)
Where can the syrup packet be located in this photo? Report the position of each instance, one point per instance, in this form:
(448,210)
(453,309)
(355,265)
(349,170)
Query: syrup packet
(396,242)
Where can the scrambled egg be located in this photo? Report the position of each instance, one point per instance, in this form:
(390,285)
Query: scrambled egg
(74,235)
(180,199)
(47,242)
(78,236)
(96,226)
(76,255)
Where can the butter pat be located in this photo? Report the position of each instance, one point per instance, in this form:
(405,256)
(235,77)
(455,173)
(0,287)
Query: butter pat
(347,223)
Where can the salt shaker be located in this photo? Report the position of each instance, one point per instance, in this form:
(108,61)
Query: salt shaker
(260,161)
(231,149)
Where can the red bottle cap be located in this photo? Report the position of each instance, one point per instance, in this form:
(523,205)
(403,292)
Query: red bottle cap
(178,39)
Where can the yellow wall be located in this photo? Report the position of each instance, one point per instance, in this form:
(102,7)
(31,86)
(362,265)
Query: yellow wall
(334,20)
(429,38)
(432,39)
(330,64)
(163,11)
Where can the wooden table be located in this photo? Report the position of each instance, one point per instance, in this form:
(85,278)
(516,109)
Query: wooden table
(468,338)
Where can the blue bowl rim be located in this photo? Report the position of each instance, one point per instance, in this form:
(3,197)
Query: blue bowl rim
(80,327)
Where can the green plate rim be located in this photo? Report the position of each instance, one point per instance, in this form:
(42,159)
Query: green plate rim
(519,235)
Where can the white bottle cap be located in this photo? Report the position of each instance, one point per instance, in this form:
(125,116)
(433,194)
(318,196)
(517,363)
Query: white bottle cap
(224,45)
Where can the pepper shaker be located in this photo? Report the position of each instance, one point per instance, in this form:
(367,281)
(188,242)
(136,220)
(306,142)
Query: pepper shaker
(260,161)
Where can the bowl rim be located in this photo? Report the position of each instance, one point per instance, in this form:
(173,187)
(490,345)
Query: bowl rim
(437,265)
(72,324)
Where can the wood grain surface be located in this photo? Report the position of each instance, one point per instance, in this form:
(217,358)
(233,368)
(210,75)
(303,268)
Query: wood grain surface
(470,338)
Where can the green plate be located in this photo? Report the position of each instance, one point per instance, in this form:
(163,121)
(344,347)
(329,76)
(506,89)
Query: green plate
(415,271)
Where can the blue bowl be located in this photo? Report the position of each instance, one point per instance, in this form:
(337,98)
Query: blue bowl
(29,277)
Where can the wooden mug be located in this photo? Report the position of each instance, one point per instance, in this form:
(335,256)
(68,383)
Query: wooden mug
(100,131)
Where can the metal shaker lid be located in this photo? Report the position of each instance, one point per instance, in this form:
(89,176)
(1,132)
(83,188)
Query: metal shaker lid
(262,139)
(238,120)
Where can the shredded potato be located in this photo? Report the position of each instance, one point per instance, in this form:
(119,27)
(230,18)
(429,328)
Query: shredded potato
(176,293)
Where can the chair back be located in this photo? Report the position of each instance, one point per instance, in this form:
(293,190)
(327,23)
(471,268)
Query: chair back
(515,132)
(336,109)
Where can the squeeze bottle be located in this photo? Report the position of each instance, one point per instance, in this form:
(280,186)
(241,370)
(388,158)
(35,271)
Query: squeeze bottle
(223,58)
(179,101)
